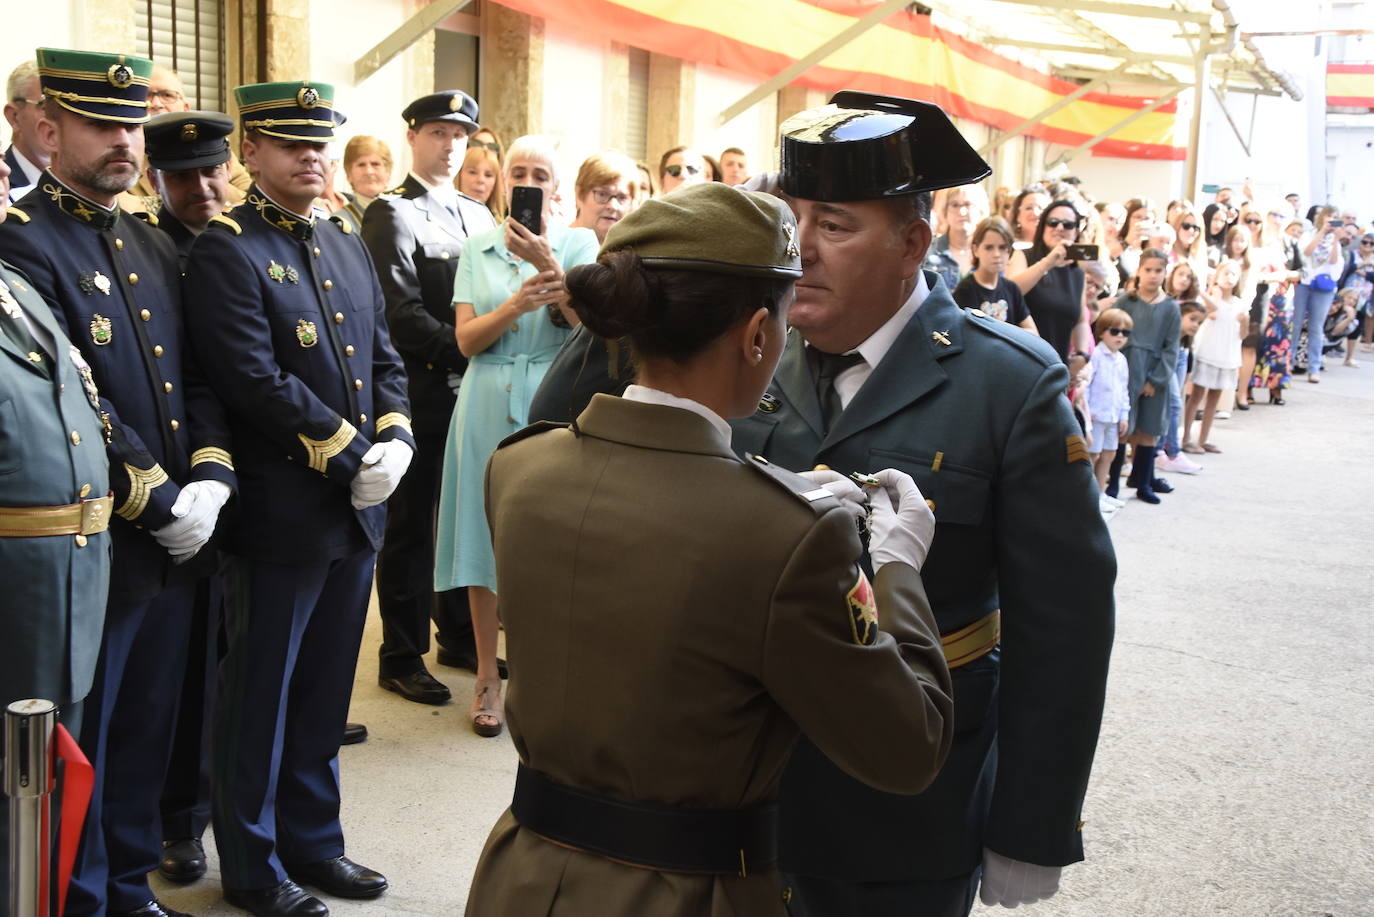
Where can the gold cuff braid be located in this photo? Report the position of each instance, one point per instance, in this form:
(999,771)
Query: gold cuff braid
(212,454)
(320,451)
(394,419)
(141,484)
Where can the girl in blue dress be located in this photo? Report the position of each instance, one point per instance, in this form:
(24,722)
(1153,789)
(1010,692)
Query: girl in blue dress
(506,280)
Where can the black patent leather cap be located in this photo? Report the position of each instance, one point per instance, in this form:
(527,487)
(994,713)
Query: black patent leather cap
(863,146)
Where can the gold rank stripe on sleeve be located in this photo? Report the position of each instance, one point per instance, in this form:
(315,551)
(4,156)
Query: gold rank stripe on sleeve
(1076,450)
(212,454)
(141,484)
(394,419)
(320,451)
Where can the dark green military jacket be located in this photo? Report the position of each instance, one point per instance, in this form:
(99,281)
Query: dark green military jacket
(52,453)
(974,409)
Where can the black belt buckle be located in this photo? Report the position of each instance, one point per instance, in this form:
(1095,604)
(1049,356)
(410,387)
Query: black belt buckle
(673,839)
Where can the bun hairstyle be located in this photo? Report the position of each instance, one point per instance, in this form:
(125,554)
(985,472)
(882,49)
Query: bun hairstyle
(665,312)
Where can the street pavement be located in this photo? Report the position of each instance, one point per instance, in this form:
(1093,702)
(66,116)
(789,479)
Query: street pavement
(1233,772)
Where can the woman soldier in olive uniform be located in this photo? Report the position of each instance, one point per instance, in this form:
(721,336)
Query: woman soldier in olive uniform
(675,616)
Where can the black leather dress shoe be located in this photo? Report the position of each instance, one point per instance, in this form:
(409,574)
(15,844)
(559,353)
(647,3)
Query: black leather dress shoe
(419,686)
(153,908)
(458,659)
(285,900)
(340,877)
(354,733)
(182,860)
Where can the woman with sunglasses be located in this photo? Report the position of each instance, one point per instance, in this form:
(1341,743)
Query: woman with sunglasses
(680,166)
(1188,242)
(1051,283)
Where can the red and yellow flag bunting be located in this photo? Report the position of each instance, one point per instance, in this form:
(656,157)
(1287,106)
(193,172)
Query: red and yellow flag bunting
(904,56)
(1350,85)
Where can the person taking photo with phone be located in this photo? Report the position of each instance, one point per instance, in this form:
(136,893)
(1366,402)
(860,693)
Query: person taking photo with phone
(508,278)
(1049,277)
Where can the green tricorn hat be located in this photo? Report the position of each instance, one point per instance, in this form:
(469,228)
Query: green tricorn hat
(712,227)
(106,87)
(289,111)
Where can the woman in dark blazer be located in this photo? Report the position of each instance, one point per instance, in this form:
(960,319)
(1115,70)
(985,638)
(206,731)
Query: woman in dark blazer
(676,616)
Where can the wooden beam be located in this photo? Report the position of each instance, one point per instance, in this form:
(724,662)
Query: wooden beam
(1065,102)
(1119,9)
(1124,122)
(409,32)
(804,64)
(1118,54)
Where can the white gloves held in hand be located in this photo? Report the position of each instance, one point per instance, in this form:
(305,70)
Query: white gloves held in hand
(902,525)
(194,515)
(1011,882)
(383,466)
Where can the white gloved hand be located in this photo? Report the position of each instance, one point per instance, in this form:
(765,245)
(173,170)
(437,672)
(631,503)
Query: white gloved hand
(194,515)
(382,469)
(1011,882)
(843,488)
(455,381)
(902,525)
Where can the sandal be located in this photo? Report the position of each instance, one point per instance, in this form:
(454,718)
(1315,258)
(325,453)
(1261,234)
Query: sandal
(486,709)
(1192,449)
(1208,447)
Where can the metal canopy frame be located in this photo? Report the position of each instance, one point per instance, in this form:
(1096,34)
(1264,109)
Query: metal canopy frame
(1212,45)
(411,31)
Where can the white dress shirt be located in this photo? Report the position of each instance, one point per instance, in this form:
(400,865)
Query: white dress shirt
(654,396)
(31,172)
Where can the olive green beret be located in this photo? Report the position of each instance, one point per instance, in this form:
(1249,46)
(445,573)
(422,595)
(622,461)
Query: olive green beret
(712,227)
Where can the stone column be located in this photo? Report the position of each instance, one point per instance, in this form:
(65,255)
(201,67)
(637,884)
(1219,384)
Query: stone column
(511,81)
(105,25)
(615,96)
(672,104)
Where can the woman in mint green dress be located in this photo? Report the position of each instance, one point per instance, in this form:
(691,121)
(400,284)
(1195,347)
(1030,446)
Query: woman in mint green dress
(506,279)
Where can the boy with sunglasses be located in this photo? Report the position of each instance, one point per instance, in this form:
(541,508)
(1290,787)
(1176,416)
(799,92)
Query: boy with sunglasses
(1109,398)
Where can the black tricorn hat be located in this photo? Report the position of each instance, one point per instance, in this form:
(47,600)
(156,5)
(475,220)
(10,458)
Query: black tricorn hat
(863,146)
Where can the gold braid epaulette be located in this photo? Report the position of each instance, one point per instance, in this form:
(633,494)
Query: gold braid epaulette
(394,419)
(212,454)
(320,451)
(141,484)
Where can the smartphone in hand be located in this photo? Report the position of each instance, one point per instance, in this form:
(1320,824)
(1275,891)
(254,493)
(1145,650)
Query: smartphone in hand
(527,207)
(1082,252)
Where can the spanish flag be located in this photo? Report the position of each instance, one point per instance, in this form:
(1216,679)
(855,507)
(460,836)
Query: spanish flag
(904,56)
(1350,86)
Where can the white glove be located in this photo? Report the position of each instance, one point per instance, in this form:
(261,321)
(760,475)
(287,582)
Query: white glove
(194,515)
(843,488)
(1011,882)
(383,466)
(902,525)
(455,381)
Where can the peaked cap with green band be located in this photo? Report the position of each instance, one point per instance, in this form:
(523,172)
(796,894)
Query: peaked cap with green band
(302,110)
(712,227)
(105,87)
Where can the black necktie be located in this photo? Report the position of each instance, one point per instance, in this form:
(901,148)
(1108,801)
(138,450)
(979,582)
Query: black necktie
(825,367)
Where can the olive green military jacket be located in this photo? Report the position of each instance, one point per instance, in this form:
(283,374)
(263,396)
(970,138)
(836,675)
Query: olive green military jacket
(673,617)
(52,453)
(974,409)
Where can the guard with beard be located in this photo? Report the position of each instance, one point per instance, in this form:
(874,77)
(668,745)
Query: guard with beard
(113,283)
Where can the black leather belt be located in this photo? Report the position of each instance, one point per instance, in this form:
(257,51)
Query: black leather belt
(718,841)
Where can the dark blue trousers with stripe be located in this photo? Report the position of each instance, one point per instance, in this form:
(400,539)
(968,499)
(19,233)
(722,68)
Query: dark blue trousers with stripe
(293,636)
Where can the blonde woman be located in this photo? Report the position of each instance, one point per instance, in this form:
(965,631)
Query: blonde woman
(480,179)
(605,192)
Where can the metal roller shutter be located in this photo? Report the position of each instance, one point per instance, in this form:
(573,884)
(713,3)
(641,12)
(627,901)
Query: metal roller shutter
(637,115)
(188,36)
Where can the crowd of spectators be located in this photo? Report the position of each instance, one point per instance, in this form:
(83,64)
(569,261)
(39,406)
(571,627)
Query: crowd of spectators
(1208,304)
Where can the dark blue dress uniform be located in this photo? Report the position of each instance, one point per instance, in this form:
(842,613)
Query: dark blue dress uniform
(416,242)
(297,346)
(112,281)
(974,410)
(54,512)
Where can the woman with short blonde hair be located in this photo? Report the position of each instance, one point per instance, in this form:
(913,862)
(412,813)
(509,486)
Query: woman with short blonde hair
(605,191)
(480,179)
